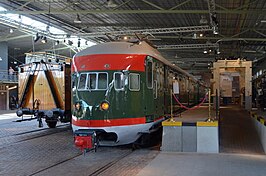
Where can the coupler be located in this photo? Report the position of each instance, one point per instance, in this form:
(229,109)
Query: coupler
(86,140)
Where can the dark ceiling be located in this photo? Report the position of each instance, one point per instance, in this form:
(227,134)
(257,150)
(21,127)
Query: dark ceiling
(174,26)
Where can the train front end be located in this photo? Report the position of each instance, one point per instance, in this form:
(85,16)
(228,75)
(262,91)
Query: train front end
(107,96)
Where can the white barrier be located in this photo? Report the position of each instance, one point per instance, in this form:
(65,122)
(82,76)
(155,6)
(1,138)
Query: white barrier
(260,126)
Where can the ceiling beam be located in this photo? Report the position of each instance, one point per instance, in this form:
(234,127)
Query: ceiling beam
(153,5)
(214,38)
(147,31)
(15,38)
(188,46)
(178,5)
(22,6)
(59,11)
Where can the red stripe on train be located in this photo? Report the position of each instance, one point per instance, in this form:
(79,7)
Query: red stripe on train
(111,122)
(109,62)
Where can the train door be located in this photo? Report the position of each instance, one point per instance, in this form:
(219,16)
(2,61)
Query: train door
(148,94)
(160,80)
(166,90)
(157,89)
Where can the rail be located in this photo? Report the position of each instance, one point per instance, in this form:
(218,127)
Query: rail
(7,78)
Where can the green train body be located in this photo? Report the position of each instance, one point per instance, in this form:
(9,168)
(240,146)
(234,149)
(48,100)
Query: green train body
(122,90)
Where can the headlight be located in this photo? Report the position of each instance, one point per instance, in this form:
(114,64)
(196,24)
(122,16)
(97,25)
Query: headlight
(105,105)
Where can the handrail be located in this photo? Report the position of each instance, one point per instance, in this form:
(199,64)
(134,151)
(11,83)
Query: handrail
(188,108)
(6,77)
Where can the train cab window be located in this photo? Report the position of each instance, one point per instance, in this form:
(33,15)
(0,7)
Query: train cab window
(119,81)
(82,81)
(134,82)
(149,74)
(92,81)
(102,81)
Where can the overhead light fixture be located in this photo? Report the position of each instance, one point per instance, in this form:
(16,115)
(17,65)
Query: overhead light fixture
(194,36)
(11,30)
(263,21)
(197,35)
(218,51)
(214,18)
(205,51)
(57,42)
(79,42)
(37,37)
(48,29)
(77,20)
(215,30)
(203,20)
(110,3)
(77,3)
(70,42)
(44,39)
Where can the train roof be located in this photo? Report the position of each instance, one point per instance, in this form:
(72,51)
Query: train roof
(123,47)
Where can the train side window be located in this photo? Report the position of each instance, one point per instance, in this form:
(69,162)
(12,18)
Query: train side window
(119,81)
(82,81)
(149,75)
(134,82)
(102,81)
(158,78)
(92,81)
(155,90)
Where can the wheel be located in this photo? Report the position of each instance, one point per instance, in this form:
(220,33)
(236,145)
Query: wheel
(51,124)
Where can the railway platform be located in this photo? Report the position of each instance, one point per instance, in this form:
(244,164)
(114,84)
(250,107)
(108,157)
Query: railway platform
(195,130)
(240,151)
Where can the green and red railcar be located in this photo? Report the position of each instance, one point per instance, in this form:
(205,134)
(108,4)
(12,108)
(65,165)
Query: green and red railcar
(123,89)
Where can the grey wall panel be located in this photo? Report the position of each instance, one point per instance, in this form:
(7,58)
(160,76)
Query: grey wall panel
(4,56)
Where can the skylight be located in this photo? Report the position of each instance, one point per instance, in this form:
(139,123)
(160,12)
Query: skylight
(43,27)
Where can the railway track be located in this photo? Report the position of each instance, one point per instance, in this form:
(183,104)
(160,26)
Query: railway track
(96,171)
(46,132)
(54,165)
(110,164)
(29,135)
(42,129)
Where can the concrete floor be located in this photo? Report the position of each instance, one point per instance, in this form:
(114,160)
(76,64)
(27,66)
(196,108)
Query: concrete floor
(195,164)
